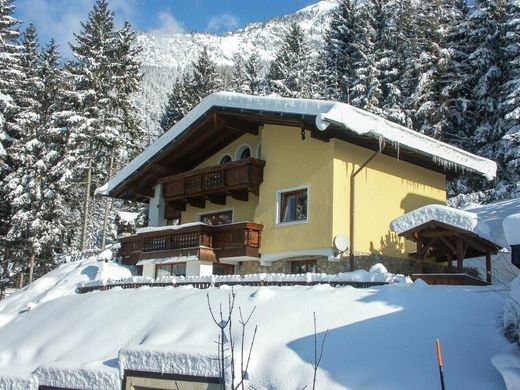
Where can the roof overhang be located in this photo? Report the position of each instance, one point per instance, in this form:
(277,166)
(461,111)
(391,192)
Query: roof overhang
(223,117)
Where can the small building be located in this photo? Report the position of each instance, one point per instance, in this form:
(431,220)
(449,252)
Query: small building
(247,184)
(444,234)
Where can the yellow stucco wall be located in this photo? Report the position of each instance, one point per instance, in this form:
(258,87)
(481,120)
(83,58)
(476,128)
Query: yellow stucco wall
(242,211)
(386,189)
(291,162)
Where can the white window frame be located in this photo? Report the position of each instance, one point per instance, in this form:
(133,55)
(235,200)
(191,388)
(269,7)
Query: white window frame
(279,193)
(259,151)
(240,149)
(219,162)
(232,209)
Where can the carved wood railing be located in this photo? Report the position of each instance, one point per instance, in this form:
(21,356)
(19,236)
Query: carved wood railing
(243,175)
(231,240)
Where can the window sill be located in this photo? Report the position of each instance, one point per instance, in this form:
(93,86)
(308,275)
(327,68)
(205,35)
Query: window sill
(290,223)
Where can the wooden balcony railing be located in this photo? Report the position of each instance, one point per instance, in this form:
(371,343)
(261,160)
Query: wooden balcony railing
(236,178)
(207,242)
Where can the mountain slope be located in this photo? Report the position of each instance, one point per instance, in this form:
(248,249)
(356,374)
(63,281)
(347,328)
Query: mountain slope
(165,57)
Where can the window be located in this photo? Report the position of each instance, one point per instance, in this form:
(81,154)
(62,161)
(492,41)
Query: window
(304,266)
(175,269)
(225,159)
(293,206)
(218,218)
(243,152)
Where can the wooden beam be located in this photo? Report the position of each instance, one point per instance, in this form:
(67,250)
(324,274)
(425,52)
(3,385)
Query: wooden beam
(196,202)
(488,267)
(179,205)
(449,257)
(436,233)
(420,265)
(460,255)
(236,124)
(426,247)
(239,195)
(217,199)
(448,244)
(319,135)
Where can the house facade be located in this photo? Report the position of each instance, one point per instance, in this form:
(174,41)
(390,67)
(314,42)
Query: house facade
(266,184)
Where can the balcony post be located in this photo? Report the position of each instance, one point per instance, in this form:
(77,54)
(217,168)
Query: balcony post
(156,208)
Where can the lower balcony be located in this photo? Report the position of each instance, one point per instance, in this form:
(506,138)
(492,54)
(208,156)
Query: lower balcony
(205,242)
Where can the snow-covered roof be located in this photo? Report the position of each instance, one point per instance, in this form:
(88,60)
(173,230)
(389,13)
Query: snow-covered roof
(497,222)
(326,113)
(84,340)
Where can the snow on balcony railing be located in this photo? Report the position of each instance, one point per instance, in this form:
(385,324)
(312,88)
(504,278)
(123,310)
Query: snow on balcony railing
(377,275)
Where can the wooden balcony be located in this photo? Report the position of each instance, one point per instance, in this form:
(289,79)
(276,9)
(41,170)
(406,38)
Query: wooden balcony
(236,179)
(208,243)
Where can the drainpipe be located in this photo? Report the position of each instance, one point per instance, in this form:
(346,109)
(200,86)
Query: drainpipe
(353,197)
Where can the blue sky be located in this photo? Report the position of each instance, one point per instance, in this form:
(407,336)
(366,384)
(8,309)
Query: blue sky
(61,18)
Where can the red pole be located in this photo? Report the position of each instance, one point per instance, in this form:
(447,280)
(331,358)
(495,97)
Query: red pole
(439,360)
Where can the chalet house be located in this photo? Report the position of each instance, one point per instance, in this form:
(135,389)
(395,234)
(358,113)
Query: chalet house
(247,184)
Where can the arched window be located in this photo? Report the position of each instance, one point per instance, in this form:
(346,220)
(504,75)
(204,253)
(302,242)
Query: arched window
(243,152)
(225,159)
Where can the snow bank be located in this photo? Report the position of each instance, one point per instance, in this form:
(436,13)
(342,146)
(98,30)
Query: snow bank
(448,215)
(326,112)
(85,340)
(511,317)
(101,378)
(508,364)
(13,382)
(194,360)
(491,220)
(58,283)
(511,226)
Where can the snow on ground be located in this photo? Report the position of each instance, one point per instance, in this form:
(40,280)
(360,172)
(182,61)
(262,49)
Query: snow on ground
(379,338)
(58,283)
(493,221)
(508,361)
(502,270)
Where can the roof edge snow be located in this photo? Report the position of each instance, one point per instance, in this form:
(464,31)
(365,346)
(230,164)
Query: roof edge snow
(326,113)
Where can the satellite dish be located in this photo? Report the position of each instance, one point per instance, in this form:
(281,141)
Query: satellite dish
(340,243)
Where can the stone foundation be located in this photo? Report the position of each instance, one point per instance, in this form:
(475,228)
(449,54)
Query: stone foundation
(393,264)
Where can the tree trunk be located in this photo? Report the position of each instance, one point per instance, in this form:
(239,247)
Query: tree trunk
(86,202)
(108,206)
(31,267)
(20,279)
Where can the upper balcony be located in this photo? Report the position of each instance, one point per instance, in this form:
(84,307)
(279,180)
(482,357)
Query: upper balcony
(214,183)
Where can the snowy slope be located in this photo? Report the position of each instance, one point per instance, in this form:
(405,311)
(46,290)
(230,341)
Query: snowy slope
(379,338)
(56,284)
(165,57)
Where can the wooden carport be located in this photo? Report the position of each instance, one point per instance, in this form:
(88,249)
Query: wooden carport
(445,242)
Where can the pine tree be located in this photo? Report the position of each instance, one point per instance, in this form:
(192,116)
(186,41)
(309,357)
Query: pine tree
(340,52)
(190,89)
(246,75)
(10,75)
(204,79)
(509,105)
(106,75)
(289,74)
